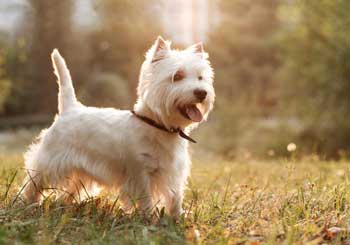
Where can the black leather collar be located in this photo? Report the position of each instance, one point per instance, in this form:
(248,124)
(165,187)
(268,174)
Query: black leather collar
(153,123)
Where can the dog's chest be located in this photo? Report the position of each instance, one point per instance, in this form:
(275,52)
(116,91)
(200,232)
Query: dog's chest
(160,155)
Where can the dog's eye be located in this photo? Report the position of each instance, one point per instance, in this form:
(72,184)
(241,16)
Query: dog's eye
(200,78)
(179,75)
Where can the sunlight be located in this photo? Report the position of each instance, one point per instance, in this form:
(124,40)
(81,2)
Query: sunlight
(110,135)
(189,21)
(291,147)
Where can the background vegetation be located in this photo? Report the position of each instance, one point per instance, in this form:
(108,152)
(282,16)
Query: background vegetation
(282,68)
(272,162)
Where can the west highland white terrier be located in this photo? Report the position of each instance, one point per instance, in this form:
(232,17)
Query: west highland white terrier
(141,153)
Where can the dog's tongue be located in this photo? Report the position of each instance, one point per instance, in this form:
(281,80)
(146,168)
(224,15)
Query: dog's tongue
(194,113)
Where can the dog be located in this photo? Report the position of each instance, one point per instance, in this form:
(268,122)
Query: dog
(143,154)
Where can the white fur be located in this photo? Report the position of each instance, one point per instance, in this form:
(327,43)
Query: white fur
(114,148)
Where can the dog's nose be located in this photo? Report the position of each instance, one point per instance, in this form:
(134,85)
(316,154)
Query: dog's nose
(200,94)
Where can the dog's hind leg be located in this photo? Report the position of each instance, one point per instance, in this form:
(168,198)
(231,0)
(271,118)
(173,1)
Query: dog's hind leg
(81,186)
(33,187)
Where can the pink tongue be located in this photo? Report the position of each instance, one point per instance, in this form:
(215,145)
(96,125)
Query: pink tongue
(194,114)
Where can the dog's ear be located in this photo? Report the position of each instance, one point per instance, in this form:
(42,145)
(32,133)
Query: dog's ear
(198,49)
(159,50)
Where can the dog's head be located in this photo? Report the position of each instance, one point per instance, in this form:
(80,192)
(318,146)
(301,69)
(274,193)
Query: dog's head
(177,85)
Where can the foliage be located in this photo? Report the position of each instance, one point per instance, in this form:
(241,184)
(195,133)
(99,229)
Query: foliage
(51,29)
(5,83)
(242,50)
(287,63)
(127,30)
(316,72)
(43,28)
(105,90)
(5,88)
(16,67)
(245,60)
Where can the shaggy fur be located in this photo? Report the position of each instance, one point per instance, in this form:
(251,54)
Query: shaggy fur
(113,148)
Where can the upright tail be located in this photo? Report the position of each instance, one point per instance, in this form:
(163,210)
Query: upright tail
(66,95)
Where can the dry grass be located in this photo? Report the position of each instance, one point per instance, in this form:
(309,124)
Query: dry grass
(236,202)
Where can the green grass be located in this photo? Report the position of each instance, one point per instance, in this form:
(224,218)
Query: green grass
(234,202)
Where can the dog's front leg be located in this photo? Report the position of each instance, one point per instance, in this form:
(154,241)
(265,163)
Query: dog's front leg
(136,192)
(174,186)
(144,201)
(174,202)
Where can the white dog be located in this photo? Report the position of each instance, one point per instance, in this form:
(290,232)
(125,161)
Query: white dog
(142,153)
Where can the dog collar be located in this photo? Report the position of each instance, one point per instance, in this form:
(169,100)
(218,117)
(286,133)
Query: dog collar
(153,123)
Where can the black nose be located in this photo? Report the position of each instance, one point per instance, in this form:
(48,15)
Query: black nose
(200,94)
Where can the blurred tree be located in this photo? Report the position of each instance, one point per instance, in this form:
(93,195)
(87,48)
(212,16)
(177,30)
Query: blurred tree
(52,24)
(16,67)
(243,48)
(5,82)
(245,59)
(317,71)
(128,29)
(105,90)
(46,25)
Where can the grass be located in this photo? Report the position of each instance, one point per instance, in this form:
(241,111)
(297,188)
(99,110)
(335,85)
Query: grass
(227,202)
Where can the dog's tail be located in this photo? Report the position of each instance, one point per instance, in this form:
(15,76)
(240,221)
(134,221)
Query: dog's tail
(66,95)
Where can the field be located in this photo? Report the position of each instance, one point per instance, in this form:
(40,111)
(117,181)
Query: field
(227,202)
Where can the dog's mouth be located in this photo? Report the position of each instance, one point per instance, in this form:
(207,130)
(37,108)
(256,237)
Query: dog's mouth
(192,112)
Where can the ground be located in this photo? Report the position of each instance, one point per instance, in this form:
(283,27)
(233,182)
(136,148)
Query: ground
(295,201)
